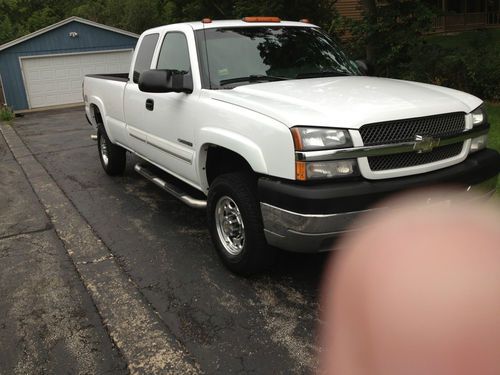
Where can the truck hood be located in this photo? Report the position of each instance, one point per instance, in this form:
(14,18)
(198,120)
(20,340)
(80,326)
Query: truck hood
(346,102)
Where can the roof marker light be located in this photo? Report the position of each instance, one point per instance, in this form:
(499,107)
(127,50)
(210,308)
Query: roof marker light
(261,19)
(305,20)
(206,20)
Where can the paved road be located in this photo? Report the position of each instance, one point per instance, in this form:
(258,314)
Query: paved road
(265,324)
(48,322)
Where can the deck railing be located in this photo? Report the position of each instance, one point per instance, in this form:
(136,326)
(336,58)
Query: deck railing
(466,21)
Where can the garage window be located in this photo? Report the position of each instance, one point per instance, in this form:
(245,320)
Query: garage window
(145,55)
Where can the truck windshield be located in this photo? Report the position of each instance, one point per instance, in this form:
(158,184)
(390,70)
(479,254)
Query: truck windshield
(244,55)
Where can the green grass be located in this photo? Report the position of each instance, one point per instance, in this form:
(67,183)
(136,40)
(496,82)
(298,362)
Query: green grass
(494,117)
(458,40)
(494,136)
(6,114)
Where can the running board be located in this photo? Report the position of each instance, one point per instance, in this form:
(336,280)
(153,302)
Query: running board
(169,188)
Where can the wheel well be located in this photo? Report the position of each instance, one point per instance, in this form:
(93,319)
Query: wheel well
(96,113)
(220,160)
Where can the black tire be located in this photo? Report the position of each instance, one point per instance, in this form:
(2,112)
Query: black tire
(115,160)
(255,254)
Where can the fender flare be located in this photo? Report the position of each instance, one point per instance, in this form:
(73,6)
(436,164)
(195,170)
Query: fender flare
(232,141)
(95,101)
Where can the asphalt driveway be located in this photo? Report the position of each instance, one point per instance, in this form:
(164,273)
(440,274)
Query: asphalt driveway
(227,324)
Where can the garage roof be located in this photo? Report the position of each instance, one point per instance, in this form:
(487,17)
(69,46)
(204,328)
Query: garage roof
(61,23)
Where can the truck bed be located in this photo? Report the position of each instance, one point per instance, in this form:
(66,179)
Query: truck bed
(122,77)
(109,88)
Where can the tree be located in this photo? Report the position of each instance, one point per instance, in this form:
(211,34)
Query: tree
(388,32)
(21,17)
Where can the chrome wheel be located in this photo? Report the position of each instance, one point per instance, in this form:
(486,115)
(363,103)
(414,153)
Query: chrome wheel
(230,227)
(104,150)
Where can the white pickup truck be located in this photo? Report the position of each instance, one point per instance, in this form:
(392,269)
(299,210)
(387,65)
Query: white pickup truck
(270,127)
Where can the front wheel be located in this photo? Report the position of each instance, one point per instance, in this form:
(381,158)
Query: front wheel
(235,224)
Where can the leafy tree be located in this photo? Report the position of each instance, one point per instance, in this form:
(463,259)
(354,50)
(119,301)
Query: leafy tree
(19,17)
(320,11)
(388,32)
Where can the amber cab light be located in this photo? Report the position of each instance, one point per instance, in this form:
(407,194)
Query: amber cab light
(262,19)
(206,20)
(305,20)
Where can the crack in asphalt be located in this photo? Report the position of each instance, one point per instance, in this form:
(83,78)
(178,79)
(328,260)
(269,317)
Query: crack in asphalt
(48,227)
(99,260)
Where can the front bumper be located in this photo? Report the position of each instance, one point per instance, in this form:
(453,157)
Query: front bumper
(308,218)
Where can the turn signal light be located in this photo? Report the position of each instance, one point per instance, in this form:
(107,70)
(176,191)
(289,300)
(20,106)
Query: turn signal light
(300,171)
(297,139)
(261,19)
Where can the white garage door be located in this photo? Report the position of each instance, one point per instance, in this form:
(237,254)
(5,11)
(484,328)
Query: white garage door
(56,80)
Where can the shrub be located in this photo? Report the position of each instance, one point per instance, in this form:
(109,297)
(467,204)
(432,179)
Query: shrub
(471,66)
(392,35)
(6,114)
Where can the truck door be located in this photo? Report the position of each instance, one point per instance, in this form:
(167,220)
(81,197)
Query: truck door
(168,118)
(136,116)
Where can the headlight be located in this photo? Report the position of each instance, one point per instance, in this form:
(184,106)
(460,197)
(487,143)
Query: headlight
(479,116)
(310,139)
(319,170)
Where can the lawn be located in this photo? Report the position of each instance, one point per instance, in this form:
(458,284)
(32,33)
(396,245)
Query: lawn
(490,37)
(494,117)
(494,138)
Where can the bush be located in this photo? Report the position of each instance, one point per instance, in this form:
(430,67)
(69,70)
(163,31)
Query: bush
(471,66)
(6,114)
(394,38)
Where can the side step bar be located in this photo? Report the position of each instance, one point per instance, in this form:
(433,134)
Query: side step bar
(169,188)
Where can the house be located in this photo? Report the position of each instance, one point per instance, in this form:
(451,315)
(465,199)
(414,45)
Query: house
(456,15)
(46,68)
(460,15)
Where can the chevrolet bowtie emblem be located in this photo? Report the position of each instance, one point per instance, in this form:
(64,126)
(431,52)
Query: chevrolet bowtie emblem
(425,143)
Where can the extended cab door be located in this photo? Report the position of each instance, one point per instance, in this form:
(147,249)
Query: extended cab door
(167,119)
(133,101)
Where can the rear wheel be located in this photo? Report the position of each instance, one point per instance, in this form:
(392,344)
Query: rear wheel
(113,157)
(235,224)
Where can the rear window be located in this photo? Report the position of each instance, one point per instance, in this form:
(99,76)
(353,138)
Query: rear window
(145,55)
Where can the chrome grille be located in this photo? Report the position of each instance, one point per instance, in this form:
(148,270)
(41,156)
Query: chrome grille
(412,159)
(405,130)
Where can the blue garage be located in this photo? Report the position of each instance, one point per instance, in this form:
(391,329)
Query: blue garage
(46,68)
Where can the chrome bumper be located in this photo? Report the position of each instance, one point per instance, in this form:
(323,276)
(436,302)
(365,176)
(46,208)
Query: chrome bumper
(307,233)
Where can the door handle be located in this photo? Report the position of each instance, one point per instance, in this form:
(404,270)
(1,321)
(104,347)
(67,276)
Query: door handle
(150,104)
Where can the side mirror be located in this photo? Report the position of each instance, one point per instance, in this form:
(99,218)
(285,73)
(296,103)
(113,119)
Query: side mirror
(165,81)
(364,67)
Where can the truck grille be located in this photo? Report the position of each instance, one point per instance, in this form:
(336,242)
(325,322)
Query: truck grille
(412,159)
(405,131)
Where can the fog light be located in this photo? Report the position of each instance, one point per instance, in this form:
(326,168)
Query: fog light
(478,143)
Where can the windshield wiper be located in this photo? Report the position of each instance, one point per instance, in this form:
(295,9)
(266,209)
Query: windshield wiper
(327,73)
(251,78)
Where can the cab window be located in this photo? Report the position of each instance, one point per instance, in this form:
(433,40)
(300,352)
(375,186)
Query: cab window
(174,53)
(145,55)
